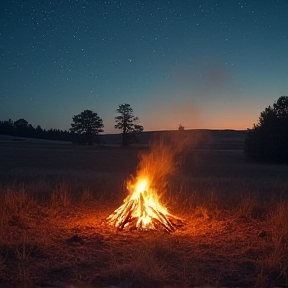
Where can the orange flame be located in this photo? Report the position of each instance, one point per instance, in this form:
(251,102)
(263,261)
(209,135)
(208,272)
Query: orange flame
(149,203)
(141,209)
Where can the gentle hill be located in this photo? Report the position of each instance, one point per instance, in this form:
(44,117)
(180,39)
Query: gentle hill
(200,138)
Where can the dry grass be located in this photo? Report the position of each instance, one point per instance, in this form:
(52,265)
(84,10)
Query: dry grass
(52,228)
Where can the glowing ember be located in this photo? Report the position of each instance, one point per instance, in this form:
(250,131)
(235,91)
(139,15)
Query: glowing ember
(142,211)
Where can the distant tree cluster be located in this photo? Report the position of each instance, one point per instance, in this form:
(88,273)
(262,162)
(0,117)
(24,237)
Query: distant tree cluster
(22,128)
(85,128)
(268,139)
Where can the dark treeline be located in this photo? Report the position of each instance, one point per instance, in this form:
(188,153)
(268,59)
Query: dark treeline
(85,128)
(22,128)
(268,139)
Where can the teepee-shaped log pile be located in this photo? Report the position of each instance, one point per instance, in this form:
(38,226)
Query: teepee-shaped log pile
(142,211)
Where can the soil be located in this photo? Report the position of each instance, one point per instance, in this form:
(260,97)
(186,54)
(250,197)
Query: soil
(79,247)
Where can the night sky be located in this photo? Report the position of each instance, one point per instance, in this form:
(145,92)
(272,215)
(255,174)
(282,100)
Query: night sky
(212,64)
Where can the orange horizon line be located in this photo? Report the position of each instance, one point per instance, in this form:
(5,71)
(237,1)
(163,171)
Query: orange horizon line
(188,129)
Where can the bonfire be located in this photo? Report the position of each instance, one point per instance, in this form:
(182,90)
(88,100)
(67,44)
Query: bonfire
(142,210)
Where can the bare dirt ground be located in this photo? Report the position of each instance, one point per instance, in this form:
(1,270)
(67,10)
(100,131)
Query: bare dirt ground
(55,199)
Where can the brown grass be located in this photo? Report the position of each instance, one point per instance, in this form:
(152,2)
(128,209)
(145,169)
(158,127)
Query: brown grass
(54,199)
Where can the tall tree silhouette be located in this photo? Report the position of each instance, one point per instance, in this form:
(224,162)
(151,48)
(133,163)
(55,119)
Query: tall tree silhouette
(22,127)
(128,124)
(7,127)
(268,139)
(87,124)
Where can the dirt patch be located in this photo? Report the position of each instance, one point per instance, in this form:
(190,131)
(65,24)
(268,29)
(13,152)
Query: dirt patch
(78,246)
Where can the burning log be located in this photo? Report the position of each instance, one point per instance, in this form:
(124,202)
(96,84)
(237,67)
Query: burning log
(142,211)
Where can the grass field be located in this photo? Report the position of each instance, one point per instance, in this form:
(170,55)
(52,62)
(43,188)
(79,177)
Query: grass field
(55,198)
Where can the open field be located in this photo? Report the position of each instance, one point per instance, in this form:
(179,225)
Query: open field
(55,197)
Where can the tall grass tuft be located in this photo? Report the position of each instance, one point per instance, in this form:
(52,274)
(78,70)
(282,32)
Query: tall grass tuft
(14,206)
(61,197)
(279,237)
(275,249)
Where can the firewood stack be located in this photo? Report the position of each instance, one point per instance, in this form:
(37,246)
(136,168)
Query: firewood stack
(140,213)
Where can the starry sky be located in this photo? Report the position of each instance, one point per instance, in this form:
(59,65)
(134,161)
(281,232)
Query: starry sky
(212,64)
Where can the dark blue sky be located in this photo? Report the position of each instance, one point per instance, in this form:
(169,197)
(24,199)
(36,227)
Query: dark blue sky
(203,64)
